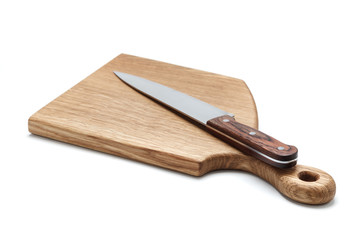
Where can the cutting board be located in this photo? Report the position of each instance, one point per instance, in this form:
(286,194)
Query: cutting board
(104,114)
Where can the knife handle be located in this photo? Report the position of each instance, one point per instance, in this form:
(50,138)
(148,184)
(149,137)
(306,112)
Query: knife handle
(253,142)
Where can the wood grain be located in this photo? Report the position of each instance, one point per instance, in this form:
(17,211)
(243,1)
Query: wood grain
(103,113)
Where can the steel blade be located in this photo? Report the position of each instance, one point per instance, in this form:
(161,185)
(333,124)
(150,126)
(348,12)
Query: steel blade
(181,102)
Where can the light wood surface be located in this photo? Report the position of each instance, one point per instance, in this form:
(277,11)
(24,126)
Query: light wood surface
(103,113)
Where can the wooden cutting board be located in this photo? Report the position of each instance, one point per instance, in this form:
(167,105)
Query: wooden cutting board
(103,113)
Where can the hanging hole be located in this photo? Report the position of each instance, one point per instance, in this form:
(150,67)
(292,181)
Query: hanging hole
(308,176)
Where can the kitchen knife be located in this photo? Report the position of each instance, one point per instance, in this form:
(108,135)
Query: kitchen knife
(218,122)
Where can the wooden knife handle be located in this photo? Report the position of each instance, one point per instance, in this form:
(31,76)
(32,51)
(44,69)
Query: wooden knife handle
(253,142)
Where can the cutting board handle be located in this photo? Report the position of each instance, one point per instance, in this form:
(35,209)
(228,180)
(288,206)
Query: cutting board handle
(300,183)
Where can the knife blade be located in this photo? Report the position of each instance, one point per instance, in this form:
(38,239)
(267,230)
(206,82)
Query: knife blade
(218,122)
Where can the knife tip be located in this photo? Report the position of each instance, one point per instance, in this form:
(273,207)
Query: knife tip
(119,74)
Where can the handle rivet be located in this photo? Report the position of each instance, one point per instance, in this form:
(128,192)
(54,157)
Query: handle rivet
(226,120)
(281,148)
(252,133)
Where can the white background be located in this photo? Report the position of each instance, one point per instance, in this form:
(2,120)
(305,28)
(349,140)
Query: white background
(300,59)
